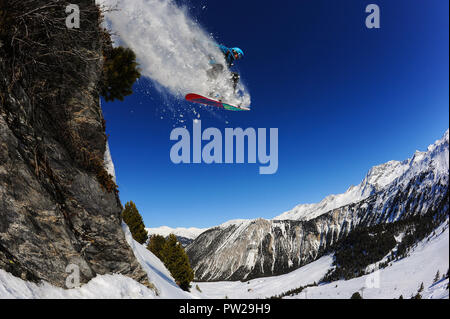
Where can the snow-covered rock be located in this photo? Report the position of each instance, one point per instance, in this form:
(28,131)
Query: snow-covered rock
(112,286)
(109,164)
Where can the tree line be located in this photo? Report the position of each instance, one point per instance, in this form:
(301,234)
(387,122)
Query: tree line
(364,246)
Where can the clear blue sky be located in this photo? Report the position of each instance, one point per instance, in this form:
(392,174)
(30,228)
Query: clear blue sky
(343,97)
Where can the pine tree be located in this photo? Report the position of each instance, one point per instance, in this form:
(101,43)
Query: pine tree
(356,295)
(437,277)
(421,288)
(156,245)
(120,71)
(418,296)
(177,262)
(401,297)
(134,221)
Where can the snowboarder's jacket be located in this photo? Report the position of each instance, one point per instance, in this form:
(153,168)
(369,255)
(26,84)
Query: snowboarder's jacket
(229,57)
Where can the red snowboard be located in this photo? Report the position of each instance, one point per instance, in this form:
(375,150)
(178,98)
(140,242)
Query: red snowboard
(195,98)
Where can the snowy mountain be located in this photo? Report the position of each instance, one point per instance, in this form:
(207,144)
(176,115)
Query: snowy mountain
(244,249)
(402,277)
(184,235)
(378,178)
(189,233)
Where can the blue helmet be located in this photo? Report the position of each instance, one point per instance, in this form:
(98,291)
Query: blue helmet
(237,53)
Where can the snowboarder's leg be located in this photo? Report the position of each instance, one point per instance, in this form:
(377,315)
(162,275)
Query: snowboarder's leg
(213,74)
(235,77)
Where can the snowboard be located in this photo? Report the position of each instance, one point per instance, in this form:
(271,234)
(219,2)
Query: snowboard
(195,98)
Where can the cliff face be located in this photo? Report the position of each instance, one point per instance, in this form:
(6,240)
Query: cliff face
(58,206)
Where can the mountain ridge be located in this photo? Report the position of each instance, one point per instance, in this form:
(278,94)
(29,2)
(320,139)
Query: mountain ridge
(243,249)
(377,178)
(373,182)
(189,233)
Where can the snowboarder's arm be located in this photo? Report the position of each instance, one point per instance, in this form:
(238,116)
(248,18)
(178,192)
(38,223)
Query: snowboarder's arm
(223,48)
(228,54)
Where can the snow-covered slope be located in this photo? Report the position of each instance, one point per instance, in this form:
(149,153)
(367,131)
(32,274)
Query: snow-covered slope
(157,273)
(401,278)
(102,287)
(378,178)
(242,249)
(264,287)
(404,277)
(190,233)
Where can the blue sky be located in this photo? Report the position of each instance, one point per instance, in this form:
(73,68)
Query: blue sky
(343,97)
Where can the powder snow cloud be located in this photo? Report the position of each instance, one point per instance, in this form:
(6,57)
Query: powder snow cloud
(173,50)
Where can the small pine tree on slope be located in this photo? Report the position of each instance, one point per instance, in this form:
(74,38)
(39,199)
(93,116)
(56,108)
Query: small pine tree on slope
(356,295)
(134,221)
(156,245)
(437,277)
(177,262)
(421,288)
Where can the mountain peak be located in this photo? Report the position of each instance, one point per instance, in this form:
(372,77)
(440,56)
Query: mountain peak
(378,178)
(189,233)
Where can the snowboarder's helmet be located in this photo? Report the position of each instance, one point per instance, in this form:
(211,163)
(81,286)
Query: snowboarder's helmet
(237,53)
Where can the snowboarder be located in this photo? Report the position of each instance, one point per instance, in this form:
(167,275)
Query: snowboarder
(231,56)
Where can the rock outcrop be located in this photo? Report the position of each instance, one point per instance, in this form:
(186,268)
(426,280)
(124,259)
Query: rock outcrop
(58,206)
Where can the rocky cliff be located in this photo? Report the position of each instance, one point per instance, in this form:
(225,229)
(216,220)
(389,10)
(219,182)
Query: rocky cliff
(58,205)
(246,249)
